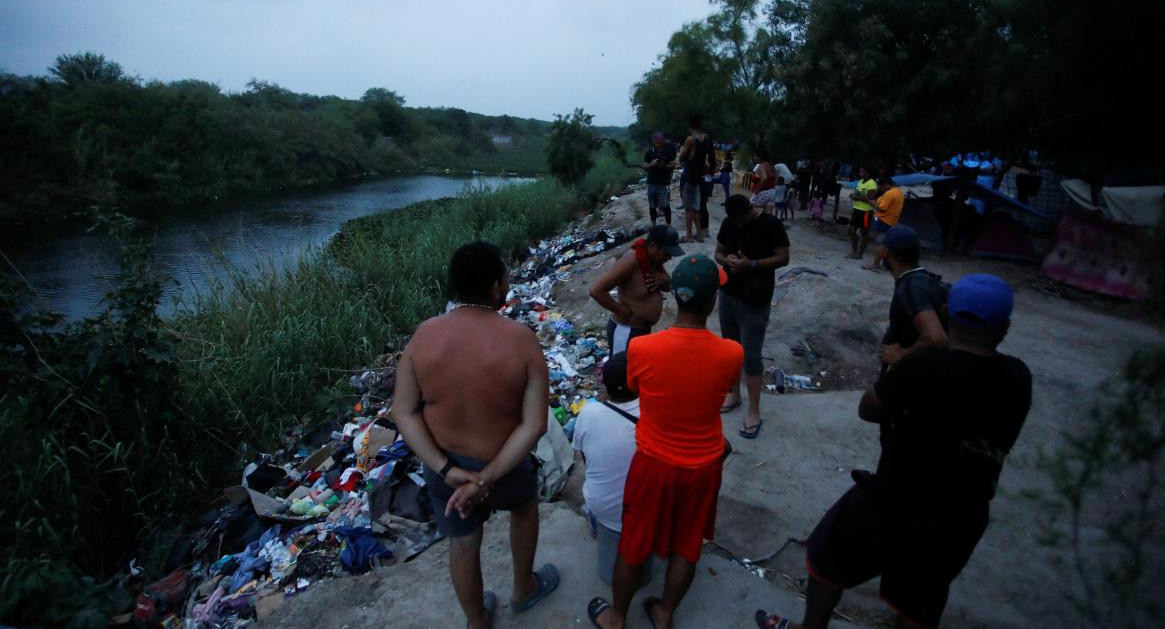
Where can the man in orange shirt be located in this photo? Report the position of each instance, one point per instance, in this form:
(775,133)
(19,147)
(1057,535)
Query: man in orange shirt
(886,215)
(669,502)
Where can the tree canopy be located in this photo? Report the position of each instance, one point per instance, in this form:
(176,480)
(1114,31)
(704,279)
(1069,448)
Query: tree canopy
(900,80)
(87,134)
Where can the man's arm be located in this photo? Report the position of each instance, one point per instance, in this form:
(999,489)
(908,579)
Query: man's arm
(722,258)
(686,150)
(615,276)
(870,407)
(779,259)
(406,413)
(930,332)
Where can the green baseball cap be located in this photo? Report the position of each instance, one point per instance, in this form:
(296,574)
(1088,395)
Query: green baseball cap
(696,278)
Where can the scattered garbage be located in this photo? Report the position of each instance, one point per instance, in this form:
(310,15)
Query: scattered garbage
(777,381)
(574,357)
(350,497)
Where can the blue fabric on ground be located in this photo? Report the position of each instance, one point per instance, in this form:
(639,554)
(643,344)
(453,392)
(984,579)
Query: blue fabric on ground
(361,549)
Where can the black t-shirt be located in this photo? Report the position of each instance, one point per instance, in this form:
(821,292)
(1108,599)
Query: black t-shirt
(665,153)
(950,419)
(915,291)
(758,239)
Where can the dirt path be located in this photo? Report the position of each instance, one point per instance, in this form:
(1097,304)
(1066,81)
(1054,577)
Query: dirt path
(777,486)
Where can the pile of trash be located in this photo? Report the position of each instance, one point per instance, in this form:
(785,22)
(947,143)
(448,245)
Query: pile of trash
(557,256)
(349,498)
(574,356)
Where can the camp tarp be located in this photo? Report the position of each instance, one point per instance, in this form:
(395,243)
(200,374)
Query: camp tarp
(783,171)
(1002,236)
(918,214)
(1128,205)
(1099,255)
(913,179)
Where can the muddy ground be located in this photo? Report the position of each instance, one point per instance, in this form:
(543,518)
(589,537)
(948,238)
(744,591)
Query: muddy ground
(778,486)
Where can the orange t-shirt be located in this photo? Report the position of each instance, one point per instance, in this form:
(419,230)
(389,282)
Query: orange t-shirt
(890,206)
(682,376)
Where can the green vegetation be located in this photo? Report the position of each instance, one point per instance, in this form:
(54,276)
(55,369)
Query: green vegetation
(1106,503)
(571,144)
(122,425)
(88,135)
(895,80)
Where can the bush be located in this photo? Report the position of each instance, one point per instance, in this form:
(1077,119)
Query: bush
(569,147)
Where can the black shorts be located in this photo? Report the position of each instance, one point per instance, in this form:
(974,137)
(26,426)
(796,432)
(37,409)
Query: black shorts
(513,490)
(917,556)
(862,221)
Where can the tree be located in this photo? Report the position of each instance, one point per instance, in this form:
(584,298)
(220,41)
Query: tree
(389,108)
(568,150)
(85,67)
(895,80)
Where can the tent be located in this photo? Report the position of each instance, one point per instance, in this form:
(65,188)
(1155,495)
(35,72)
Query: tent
(1002,236)
(918,214)
(1101,247)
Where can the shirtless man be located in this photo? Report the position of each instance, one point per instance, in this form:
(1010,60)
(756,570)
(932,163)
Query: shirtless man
(641,281)
(471,400)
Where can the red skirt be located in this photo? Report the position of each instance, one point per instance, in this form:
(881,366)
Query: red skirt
(668,510)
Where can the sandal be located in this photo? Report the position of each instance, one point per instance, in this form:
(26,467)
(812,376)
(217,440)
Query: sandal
(765,621)
(648,603)
(728,408)
(595,608)
(547,577)
(750,432)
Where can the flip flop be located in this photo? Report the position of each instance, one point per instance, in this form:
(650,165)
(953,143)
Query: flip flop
(728,408)
(648,603)
(595,608)
(751,433)
(547,577)
(765,621)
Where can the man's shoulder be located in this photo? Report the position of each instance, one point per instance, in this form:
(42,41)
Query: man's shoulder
(1016,369)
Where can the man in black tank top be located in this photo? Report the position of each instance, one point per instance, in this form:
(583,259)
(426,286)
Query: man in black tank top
(694,157)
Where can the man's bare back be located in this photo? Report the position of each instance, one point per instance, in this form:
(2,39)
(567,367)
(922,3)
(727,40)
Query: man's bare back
(472,369)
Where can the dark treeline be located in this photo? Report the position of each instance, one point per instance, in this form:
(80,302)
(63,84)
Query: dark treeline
(898,81)
(88,134)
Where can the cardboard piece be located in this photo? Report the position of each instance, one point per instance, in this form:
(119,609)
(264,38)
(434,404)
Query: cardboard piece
(265,506)
(368,443)
(317,459)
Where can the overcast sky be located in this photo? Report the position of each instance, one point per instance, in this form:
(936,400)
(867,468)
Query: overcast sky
(524,58)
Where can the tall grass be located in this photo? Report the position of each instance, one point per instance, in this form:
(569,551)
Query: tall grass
(257,350)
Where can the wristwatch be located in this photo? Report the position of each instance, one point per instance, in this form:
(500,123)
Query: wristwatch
(752,264)
(445,470)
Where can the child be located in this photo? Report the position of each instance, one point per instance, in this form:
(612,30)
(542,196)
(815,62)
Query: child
(779,194)
(816,206)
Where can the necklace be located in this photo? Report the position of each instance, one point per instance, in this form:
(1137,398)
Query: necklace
(483,307)
(690,327)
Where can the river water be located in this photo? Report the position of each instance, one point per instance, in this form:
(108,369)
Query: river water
(70,269)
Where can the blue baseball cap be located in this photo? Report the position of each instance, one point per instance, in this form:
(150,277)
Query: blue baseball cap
(902,240)
(981,301)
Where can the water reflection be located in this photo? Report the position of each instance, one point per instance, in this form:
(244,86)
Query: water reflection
(70,268)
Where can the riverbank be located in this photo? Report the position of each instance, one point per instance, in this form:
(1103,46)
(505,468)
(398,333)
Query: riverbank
(778,486)
(157,416)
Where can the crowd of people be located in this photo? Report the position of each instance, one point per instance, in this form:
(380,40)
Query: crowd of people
(655,448)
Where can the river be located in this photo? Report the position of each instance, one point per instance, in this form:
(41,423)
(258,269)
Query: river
(70,268)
